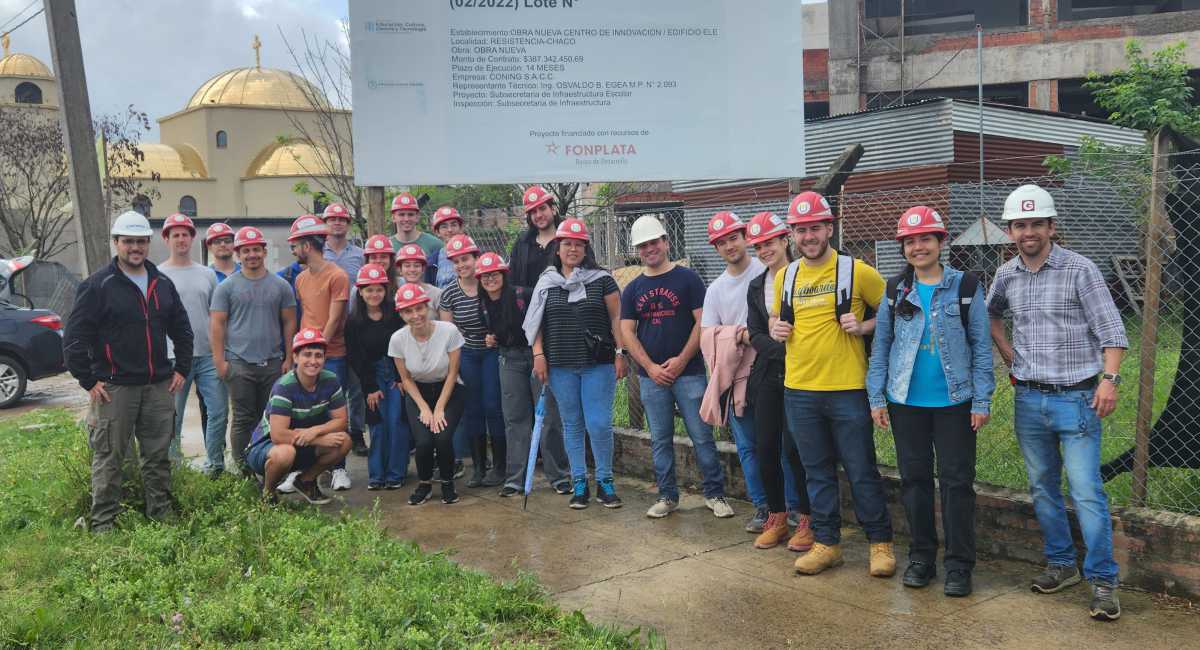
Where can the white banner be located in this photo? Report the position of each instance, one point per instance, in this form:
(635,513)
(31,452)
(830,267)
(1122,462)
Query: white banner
(501,91)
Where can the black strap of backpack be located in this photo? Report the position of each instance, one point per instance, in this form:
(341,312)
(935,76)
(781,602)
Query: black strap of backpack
(966,294)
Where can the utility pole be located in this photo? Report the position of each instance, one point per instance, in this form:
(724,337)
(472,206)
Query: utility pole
(87,199)
(377,221)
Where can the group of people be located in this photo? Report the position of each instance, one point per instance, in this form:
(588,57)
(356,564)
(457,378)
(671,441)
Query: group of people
(444,351)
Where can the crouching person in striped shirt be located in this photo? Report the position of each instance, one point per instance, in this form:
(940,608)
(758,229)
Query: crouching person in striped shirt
(304,426)
(1068,340)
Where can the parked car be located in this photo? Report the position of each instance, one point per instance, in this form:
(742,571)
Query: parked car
(30,339)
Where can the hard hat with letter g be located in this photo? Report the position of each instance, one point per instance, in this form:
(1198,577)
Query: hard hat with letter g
(1029,202)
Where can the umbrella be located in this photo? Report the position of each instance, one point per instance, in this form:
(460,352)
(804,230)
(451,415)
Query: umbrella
(539,416)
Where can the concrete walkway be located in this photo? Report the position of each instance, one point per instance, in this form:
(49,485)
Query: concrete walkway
(698,582)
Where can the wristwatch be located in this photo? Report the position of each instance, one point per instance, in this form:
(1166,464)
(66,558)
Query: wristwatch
(1113,377)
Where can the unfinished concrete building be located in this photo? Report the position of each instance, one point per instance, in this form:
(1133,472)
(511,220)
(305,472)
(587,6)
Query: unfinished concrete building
(1036,53)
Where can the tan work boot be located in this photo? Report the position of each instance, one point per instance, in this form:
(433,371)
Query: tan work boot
(774,531)
(883,560)
(818,559)
(803,539)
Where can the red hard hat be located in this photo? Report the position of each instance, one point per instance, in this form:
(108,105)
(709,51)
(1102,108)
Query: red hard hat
(460,245)
(411,252)
(572,229)
(336,210)
(178,220)
(307,225)
(306,337)
(765,226)
(444,214)
(535,196)
(378,244)
(919,220)
(724,223)
(248,235)
(217,230)
(489,263)
(405,201)
(410,294)
(371,274)
(809,207)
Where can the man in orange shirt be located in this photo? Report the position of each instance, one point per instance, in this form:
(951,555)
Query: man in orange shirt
(322,290)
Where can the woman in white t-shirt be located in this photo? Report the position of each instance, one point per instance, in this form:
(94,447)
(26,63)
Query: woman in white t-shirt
(427,354)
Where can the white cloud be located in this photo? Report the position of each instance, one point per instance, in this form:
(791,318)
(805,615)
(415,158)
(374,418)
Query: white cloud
(154,55)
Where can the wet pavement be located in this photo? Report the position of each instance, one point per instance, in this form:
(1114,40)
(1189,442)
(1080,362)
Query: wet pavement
(698,582)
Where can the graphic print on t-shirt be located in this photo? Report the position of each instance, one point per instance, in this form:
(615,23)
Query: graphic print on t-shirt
(664,308)
(655,305)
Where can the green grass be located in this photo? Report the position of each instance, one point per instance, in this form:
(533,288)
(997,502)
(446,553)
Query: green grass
(999,459)
(233,572)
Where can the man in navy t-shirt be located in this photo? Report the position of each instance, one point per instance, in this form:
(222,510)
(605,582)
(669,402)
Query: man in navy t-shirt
(660,325)
(303,428)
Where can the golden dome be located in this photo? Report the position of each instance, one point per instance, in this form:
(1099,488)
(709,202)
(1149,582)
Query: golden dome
(170,162)
(23,65)
(257,87)
(295,159)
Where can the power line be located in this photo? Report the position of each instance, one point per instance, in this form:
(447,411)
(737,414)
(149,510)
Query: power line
(31,17)
(17,15)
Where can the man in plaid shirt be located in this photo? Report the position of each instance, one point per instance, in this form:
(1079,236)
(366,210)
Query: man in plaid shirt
(1068,340)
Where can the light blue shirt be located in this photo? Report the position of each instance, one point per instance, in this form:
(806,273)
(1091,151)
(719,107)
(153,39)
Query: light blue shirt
(928,385)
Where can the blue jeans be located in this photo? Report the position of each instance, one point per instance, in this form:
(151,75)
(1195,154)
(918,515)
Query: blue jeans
(480,372)
(387,461)
(831,427)
(585,400)
(659,403)
(337,365)
(745,438)
(1056,431)
(216,400)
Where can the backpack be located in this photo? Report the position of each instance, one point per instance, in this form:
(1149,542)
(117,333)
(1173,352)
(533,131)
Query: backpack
(966,294)
(844,288)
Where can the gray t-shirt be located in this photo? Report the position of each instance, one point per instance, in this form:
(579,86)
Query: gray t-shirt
(427,362)
(195,284)
(253,332)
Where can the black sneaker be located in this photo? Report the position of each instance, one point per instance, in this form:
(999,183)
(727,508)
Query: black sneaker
(311,493)
(758,521)
(919,574)
(581,495)
(1105,606)
(509,491)
(421,494)
(562,487)
(1055,578)
(606,494)
(393,485)
(374,486)
(448,494)
(459,469)
(958,583)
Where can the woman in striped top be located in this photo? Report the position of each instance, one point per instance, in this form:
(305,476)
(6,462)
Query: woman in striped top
(573,322)
(480,369)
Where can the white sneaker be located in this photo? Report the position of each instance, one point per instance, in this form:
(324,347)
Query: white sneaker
(720,507)
(341,480)
(662,508)
(288,486)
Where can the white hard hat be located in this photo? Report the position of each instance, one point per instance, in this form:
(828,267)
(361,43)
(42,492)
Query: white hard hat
(1029,202)
(646,228)
(131,224)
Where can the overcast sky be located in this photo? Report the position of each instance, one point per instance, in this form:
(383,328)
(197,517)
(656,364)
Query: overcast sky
(155,53)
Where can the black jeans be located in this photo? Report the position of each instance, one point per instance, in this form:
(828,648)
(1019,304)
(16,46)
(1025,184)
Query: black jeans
(772,441)
(919,433)
(428,442)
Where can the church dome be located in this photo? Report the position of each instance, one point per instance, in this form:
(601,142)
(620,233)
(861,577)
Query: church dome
(263,87)
(295,158)
(23,65)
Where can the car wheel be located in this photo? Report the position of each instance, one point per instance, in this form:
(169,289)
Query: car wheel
(12,381)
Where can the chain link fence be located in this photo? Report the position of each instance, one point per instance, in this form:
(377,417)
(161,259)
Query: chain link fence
(1149,257)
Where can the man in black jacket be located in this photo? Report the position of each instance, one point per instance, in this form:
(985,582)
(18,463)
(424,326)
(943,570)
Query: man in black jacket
(116,347)
(529,253)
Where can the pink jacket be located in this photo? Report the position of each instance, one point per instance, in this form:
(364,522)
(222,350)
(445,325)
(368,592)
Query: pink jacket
(728,366)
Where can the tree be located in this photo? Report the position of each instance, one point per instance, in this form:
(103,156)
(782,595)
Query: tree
(325,122)
(34,182)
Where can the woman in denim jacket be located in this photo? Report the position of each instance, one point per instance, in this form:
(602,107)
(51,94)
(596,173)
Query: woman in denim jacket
(934,378)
